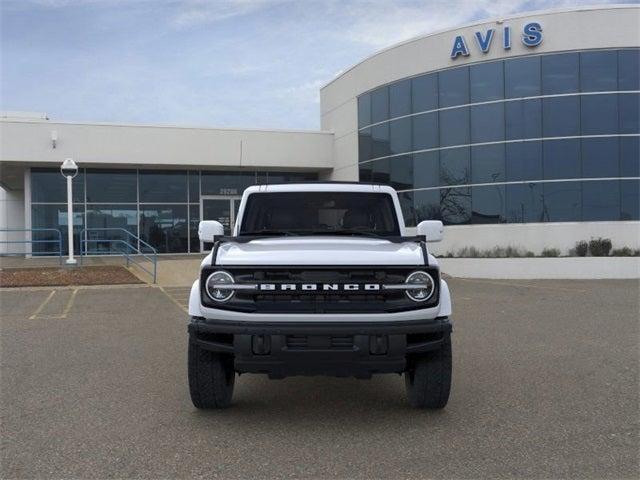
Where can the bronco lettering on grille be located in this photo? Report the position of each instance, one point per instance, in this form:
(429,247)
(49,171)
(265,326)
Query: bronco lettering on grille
(314,287)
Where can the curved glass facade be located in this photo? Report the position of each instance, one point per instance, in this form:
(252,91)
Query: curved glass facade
(541,138)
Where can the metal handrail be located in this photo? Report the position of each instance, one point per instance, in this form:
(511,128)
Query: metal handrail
(32,241)
(137,251)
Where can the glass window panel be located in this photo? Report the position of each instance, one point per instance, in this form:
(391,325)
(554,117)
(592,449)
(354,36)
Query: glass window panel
(290,177)
(115,218)
(455,166)
(487,81)
(599,71)
(454,127)
(424,93)
(194,186)
(400,135)
(523,161)
(629,113)
(562,201)
(600,200)
(194,221)
(365,145)
(400,98)
(364,171)
(455,205)
(524,203)
(487,164)
(561,159)
(488,204)
(380,105)
(364,110)
(630,157)
(426,169)
(561,116)
(381,170)
(226,183)
(401,174)
(425,131)
(427,205)
(453,87)
(406,204)
(600,157)
(560,73)
(54,216)
(112,186)
(523,119)
(380,141)
(629,69)
(487,123)
(48,185)
(163,186)
(522,77)
(599,114)
(165,227)
(630,200)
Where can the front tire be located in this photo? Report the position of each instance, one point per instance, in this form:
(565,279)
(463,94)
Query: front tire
(428,379)
(211,378)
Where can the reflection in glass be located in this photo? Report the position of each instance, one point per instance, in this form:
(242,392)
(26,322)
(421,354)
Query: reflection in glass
(400,135)
(365,145)
(380,104)
(380,140)
(226,183)
(381,171)
(406,204)
(487,164)
(630,156)
(599,114)
(629,69)
(487,123)
(453,87)
(523,161)
(194,221)
(194,186)
(523,119)
(165,227)
(599,71)
(629,113)
(487,81)
(455,167)
(400,98)
(522,77)
(561,159)
(114,218)
(365,172)
(562,202)
(163,186)
(49,186)
(488,204)
(600,200)
(454,127)
(425,131)
(424,93)
(560,73)
(630,200)
(54,216)
(524,203)
(455,205)
(112,186)
(401,174)
(561,116)
(427,205)
(600,157)
(364,110)
(426,169)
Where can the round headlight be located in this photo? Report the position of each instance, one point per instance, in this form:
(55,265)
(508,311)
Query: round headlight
(215,286)
(426,289)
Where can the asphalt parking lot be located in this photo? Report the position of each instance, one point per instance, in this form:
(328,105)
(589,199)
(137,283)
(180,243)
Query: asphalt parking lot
(94,385)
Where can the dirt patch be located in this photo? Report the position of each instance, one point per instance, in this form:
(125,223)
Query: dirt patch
(55,276)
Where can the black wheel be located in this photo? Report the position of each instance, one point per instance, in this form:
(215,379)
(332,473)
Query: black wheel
(428,379)
(211,378)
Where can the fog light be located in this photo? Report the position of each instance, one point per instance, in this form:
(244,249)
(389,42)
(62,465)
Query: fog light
(424,286)
(215,286)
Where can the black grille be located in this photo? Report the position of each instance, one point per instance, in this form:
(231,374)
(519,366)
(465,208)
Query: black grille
(319,342)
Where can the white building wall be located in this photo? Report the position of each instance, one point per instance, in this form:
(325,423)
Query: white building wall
(11,217)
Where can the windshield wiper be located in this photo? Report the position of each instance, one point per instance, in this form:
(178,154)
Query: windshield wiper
(363,233)
(266,231)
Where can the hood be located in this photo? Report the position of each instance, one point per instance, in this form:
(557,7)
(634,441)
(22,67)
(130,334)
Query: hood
(319,251)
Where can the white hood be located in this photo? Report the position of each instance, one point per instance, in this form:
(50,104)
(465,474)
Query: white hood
(319,251)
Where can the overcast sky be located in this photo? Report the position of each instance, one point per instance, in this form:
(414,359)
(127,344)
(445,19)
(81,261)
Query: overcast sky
(227,63)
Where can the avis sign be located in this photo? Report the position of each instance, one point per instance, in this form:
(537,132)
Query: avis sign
(531,37)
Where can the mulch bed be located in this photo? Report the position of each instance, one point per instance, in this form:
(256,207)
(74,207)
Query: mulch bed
(55,276)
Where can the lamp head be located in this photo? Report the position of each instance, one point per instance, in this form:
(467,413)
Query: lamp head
(69,168)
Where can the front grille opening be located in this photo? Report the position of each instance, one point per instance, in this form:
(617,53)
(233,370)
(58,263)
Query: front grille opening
(417,338)
(319,342)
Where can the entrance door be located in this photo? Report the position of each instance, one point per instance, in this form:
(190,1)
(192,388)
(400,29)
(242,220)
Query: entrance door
(222,209)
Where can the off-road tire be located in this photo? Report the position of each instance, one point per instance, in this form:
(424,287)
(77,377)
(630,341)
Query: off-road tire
(428,378)
(211,378)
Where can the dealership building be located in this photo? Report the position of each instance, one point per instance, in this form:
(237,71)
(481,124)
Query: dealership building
(520,131)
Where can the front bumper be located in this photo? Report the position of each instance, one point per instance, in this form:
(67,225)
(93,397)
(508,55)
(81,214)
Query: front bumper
(281,349)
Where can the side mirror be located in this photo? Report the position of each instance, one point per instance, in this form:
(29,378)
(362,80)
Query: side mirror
(433,230)
(208,229)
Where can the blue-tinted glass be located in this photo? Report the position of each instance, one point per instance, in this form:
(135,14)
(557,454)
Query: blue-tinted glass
(364,110)
(165,227)
(454,87)
(523,161)
(455,205)
(630,200)
(115,218)
(562,202)
(194,221)
(629,69)
(599,71)
(561,159)
(401,172)
(630,157)
(599,114)
(487,123)
(425,131)
(48,185)
(488,204)
(454,127)
(55,217)
(524,203)
(194,186)
(290,177)
(600,200)
(226,183)
(600,157)
(523,119)
(561,116)
(400,98)
(487,164)
(424,91)
(522,77)
(400,135)
(454,166)
(112,186)
(163,186)
(406,204)
(365,145)
(381,170)
(365,170)
(380,140)
(487,81)
(629,113)
(560,73)
(426,169)
(427,205)
(380,104)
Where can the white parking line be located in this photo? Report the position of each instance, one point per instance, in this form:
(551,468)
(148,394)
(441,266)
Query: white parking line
(42,305)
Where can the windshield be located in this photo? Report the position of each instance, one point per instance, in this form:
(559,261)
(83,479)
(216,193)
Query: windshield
(320,213)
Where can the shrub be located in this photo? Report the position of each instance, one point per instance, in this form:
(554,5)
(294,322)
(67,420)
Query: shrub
(600,247)
(529,253)
(625,252)
(550,252)
(581,248)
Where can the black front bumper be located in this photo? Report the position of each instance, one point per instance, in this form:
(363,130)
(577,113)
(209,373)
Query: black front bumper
(320,348)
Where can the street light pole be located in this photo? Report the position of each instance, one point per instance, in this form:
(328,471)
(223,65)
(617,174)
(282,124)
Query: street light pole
(69,169)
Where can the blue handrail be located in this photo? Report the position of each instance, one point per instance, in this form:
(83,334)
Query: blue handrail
(32,241)
(129,251)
